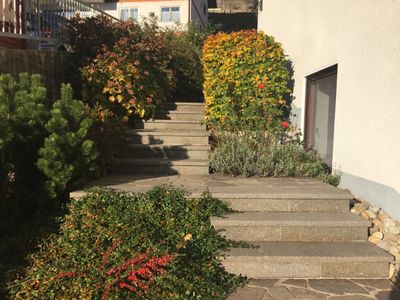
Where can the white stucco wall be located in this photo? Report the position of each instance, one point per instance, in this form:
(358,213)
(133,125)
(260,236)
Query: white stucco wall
(363,38)
(145,8)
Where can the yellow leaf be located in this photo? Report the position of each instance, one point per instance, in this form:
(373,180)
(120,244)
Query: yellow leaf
(188,237)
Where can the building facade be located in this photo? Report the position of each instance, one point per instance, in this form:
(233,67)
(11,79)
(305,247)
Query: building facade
(168,12)
(38,24)
(346,61)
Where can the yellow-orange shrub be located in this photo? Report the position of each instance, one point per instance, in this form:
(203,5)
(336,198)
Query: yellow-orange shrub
(245,80)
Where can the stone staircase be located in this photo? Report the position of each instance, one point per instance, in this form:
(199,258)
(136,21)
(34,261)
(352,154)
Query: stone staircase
(175,142)
(302,228)
(301,232)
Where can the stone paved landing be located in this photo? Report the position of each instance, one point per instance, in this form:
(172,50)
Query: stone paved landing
(219,185)
(317,289)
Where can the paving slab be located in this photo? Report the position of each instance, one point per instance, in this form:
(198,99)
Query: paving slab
(302,283)
(248,293)
(336,286)
(306,294)
(239,187)
(280,292)
(321,289)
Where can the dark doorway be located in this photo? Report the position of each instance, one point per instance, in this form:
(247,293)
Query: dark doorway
(212,4)
(234,21)
(320,112)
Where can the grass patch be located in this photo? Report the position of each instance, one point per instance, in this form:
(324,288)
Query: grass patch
(154,245)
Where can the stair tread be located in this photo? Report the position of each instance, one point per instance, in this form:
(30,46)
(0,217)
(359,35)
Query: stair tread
(170,121)
(176,132)
(186,103)
(290,219)
(323,251)
(160,161)
(162,111)
(268,193)
(168,146)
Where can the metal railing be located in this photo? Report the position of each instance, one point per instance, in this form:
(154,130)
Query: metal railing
(41,20)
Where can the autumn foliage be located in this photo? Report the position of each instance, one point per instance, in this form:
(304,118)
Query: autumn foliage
(245,80)
(133,75)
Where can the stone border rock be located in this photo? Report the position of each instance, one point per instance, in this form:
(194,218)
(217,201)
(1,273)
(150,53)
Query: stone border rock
(384,232)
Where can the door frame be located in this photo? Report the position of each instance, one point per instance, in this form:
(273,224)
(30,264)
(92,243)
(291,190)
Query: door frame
(309,117)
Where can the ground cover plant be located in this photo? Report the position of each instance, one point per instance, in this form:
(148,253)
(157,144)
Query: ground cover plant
(154,245)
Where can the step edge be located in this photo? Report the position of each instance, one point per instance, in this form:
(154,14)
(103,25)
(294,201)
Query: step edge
(277,196)
(341,224)
(178,133)
(178,162)
(169,147)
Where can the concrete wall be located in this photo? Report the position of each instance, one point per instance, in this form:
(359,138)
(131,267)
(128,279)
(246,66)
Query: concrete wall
(363,38)
(154,7)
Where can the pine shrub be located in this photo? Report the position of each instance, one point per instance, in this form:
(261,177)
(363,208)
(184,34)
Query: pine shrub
(24,106)
(68,155)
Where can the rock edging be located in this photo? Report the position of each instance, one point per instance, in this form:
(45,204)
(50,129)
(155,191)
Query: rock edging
(384,232)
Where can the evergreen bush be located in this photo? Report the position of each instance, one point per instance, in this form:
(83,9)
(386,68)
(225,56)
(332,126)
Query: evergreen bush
(24,106)
(68,156)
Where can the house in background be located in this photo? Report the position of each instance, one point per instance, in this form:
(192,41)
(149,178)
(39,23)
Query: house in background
(37,24)
(168,12)
(346,59)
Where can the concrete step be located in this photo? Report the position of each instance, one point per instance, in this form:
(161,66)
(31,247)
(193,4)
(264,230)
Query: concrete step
(320,199)
(309,260)
(170,125)
(179,115)
(167,151)
(185,106)
(171,137)
(162,166)
(293,226)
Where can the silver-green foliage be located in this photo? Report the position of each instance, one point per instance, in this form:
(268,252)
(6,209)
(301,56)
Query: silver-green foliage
(252,153)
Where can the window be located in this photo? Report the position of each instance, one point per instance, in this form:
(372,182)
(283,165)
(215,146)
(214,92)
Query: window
(170,14)
(129,13)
